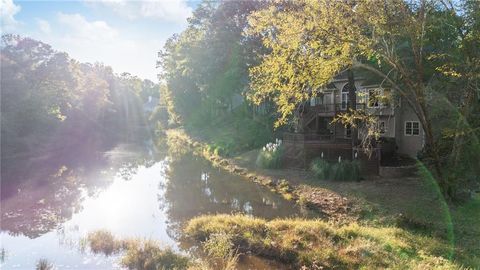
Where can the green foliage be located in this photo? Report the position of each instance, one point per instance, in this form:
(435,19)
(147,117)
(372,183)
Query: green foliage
(419,48)
(206,73)
(50,101)
(233,134)
(315,243)
(321,169)
(219,245)
(270,156)
(345,170)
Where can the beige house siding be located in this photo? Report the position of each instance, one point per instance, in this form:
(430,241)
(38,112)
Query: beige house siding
(389,126)
(407,144)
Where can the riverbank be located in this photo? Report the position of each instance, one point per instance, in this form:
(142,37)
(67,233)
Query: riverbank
(330,205)
(411,203)
(316,244)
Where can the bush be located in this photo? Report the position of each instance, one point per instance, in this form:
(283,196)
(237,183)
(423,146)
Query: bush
(102,241)
(270,157)
(321,169)
(345,170)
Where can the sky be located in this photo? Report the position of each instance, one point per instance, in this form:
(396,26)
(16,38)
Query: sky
(123,34)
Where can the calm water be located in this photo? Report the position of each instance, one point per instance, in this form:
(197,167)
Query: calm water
(129,195)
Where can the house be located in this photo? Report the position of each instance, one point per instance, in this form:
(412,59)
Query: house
(316,136)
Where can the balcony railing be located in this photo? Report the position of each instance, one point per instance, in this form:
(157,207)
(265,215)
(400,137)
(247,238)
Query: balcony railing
(332,109)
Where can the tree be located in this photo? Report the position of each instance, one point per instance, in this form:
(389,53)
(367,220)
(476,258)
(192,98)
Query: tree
(53,105)
(206,65)
(312,41)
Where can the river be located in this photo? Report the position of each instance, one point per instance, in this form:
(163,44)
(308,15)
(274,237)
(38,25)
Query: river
(130,195)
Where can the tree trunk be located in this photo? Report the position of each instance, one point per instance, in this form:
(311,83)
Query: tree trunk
(432,148)
(352,103)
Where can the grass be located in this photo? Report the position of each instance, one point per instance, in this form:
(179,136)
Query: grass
(410,204)
(142,254)
(44,264)
(315,243)
(137,254)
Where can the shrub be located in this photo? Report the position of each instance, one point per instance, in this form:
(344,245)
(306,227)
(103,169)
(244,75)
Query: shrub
(270,157)
(344,170)
(321,169)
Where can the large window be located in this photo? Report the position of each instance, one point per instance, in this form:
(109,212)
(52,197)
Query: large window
(412,128)
(345,96)
(344,101)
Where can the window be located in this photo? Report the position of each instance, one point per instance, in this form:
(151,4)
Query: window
(374,96)
(412,128)
(382,127)
(318,100)
(344,101)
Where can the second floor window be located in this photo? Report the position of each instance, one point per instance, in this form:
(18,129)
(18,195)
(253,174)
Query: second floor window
(344,101)
(345,96)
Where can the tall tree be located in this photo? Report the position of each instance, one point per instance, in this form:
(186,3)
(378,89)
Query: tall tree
(206,65)
(312,41)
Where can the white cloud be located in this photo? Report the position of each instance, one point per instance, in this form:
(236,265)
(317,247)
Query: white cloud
(44,26)
(168,10)
(7,14)
(80,28)
(97,41)
(176,11)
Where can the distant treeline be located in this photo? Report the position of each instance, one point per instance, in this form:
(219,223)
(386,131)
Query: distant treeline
(53,106)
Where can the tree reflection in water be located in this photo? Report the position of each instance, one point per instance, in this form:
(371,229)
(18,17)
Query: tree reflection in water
(55,192)
(192,187)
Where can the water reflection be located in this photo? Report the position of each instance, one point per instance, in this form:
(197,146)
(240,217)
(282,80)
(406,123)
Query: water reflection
(141,198)
(42,202)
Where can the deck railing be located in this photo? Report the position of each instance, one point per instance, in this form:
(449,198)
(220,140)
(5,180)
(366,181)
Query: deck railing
(313,138)
(332,108)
